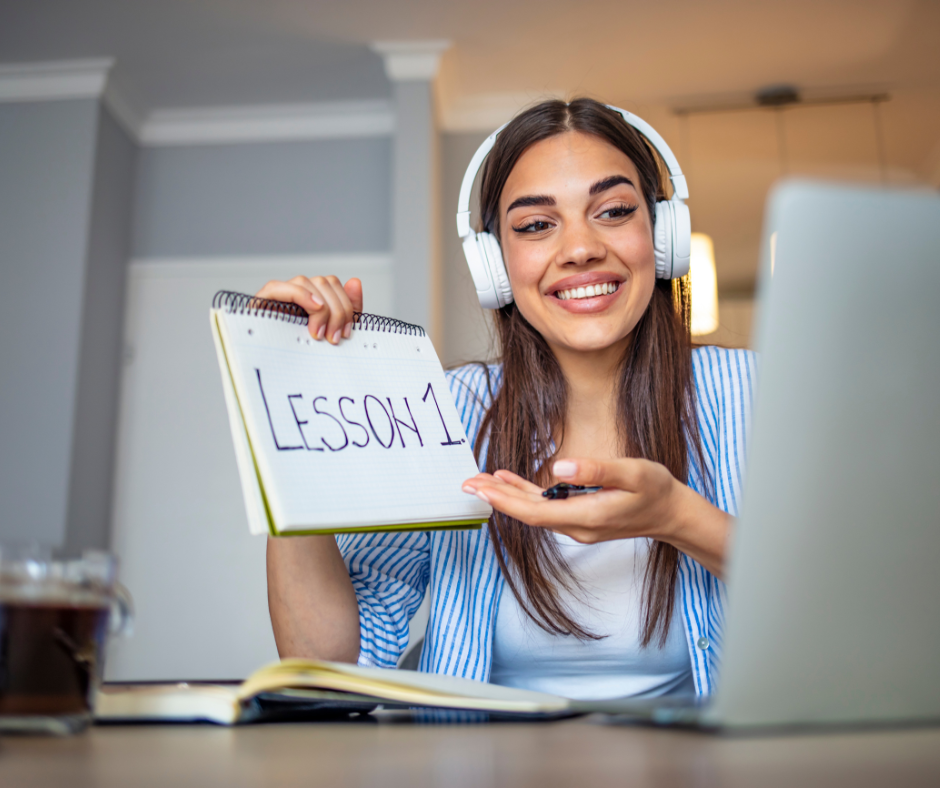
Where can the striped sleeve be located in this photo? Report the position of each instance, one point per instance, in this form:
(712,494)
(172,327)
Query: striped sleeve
(389,573)
(725,383)
(472,387)
(724,380)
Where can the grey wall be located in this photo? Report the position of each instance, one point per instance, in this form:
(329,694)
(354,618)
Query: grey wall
(95,422)
(467,335)
(415,206)
(46,173)
(264,198)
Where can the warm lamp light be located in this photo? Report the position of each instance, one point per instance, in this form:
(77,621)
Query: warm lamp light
(704,285)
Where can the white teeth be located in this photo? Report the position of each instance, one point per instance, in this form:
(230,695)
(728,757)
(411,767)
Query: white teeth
(605,288)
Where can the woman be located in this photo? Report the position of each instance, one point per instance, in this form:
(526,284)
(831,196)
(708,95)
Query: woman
(605,595)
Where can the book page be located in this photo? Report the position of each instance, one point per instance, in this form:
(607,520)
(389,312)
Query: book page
(358,435)
(169,702)
(404,686)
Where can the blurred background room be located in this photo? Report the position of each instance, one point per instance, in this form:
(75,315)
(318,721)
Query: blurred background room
(155,151)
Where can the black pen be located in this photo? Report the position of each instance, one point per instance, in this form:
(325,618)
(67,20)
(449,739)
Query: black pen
(565,490)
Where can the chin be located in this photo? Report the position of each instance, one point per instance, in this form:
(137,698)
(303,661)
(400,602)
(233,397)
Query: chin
(594,342)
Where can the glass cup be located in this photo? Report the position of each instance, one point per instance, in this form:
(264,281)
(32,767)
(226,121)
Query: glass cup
(55,619)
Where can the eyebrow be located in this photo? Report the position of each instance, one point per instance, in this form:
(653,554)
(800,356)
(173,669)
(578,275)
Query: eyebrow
(534,199)
(609,183)
(596,188)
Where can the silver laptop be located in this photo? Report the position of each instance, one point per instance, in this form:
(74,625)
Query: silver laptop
(834,580)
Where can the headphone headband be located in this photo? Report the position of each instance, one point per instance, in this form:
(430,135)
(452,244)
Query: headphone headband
(466,186)
(679,186)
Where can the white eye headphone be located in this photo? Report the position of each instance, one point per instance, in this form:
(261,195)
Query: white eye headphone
(672,227)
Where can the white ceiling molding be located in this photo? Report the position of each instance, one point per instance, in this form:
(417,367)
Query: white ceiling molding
(267,123)
(124,110)
(489,111)
(411,60)
(54,80)
(341,263)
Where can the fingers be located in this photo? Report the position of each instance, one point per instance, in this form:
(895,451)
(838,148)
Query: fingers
(475,483)
(638,497)
(517,498)
(501,477)
(502,495)
(518,482)
(353,289)
(623,474)
(328,304)
(294,292)
(339,321)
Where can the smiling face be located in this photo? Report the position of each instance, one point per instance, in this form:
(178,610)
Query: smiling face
(573,222)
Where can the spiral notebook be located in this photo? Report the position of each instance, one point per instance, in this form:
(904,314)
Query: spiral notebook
(361,436)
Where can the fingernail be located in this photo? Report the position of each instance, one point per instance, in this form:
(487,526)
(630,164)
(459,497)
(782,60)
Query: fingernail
(336,335)
(316,299)
(468,489)
(564,469)
(347,332)
(482,496)
(321,331)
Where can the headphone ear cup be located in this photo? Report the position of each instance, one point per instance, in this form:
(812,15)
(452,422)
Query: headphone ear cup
(482,280)
(682,239)
(662,239)
(485,260)
(672,239)
(493,255)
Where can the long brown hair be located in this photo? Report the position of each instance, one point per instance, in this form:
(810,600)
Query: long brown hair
(656,394)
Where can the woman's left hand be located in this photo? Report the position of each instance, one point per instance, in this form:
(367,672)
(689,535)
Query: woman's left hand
(640,498)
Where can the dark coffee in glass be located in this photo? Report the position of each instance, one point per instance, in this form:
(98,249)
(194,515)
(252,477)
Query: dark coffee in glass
(55,618)
(50,656)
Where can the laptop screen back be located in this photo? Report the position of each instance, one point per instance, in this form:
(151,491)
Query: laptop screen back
(834,582)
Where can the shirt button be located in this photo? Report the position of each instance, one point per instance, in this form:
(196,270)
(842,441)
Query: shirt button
(702,643)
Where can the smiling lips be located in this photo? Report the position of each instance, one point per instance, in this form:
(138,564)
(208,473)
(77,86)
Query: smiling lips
(590,291)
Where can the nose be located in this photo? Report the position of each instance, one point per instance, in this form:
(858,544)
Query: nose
(579,244)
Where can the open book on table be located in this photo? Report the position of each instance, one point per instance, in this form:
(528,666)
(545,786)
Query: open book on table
(324,689)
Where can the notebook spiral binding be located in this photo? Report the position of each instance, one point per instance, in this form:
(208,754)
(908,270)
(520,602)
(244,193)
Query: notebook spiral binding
(242,304)
(369,322)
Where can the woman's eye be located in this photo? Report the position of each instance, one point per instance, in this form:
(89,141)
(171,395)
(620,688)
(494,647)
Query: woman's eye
(532,227)
(618,212)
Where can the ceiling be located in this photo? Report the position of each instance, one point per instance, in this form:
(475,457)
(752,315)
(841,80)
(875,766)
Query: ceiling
(185,53)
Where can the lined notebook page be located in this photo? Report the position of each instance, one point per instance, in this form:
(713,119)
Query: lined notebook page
(355,435)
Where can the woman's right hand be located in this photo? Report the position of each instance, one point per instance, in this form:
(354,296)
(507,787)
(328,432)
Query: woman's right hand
(329,303)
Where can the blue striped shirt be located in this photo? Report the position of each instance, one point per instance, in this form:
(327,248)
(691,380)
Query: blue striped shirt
(391,571)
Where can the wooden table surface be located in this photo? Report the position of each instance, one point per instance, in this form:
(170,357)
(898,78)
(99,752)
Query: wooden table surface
(541,755)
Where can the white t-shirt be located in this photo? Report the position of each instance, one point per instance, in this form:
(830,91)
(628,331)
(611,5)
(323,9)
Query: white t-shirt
(611,576)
